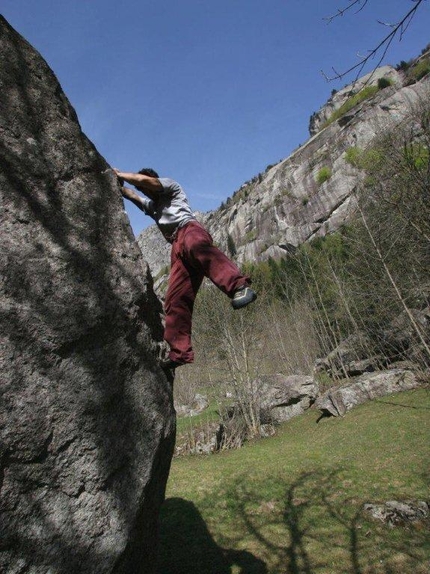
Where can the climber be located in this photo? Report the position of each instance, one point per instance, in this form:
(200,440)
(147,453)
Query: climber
(193,257)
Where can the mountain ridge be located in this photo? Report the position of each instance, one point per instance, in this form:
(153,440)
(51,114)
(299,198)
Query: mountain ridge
(311,192)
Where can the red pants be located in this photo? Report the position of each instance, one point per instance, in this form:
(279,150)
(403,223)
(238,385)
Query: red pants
(193,257)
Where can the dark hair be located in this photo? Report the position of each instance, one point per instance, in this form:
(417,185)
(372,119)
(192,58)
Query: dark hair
(149,172)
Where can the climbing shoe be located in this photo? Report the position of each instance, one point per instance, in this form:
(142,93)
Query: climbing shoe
(243,297)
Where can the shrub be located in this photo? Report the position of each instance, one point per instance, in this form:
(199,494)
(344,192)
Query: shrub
(416,155)
(353,156)
(363,159)
(421,69)
(250,236)
(231,245)
(351,102)
(323,175)
(403,66)
(384,83)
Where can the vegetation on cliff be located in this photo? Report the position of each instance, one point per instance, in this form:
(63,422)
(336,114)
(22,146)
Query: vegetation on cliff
(371,276)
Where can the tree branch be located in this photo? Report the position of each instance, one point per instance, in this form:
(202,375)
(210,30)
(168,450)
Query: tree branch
(341,11)
(397,29)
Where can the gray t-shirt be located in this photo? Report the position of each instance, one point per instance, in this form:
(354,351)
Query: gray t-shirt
(171,209)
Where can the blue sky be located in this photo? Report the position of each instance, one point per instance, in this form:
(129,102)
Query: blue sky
(208,92)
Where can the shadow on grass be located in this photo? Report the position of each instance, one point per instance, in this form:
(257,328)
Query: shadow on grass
(315,525)
(395,404)
(187,546)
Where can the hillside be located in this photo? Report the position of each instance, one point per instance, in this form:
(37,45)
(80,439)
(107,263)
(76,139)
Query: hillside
(310,193)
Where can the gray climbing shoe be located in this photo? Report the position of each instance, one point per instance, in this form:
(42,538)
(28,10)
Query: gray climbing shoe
(243,297)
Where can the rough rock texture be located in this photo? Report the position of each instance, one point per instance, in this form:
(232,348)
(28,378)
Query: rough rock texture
(278,210)
(395,513)
(350,358)
(339,98)
(86,416)
(337,402)
(206,439)
(197,406)
(284,397)
(400,339)
(157,254)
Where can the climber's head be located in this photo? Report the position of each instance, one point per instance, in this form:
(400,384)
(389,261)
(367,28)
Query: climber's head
(149,172)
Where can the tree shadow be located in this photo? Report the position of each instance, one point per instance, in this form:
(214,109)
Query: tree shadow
(396,404)
(187,546)
(311,526)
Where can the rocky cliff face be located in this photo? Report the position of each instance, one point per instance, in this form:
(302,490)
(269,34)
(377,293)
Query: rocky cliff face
(310,193)
(86,417)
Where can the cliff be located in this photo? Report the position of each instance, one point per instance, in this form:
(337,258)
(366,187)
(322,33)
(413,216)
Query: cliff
(311,192)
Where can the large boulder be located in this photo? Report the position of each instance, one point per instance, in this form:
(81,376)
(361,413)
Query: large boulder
(86,419)
(400,339)
(284,397)
(197,406)
(337,402)
(352,357)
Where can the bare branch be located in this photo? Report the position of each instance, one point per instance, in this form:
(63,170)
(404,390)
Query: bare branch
(396,29)
(341,12)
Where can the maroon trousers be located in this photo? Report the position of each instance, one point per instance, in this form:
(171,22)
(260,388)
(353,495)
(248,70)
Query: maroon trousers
(193,257)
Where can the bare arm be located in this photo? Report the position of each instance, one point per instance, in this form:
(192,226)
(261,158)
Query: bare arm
(143,182)
(132,196)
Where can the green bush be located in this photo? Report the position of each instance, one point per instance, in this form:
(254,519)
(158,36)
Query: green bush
(323,175)
(351,102)
(417,155)
(421,69)
(353,156)
(250,236)
(384,83)
(403,66)
(363,159)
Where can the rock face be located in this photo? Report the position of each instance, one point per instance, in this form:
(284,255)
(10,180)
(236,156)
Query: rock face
(284,397)
(197,406)
(287,205)
(86,421)
(339,98)
(350,358)
(337,402)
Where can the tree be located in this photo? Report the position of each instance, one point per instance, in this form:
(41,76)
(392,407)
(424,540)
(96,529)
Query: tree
(391,240)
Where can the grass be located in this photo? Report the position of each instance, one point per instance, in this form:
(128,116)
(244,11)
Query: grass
(209,415)
(350,103)
(323,175)
(420,70)
(293,503)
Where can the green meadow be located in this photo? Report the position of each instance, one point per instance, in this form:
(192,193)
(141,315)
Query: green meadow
(293,503)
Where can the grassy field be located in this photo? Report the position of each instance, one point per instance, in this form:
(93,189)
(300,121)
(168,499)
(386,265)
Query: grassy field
(293,503)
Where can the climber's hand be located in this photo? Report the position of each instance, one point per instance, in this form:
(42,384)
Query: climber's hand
(118,174)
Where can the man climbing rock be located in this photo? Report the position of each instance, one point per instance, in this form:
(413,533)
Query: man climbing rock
(193,257)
